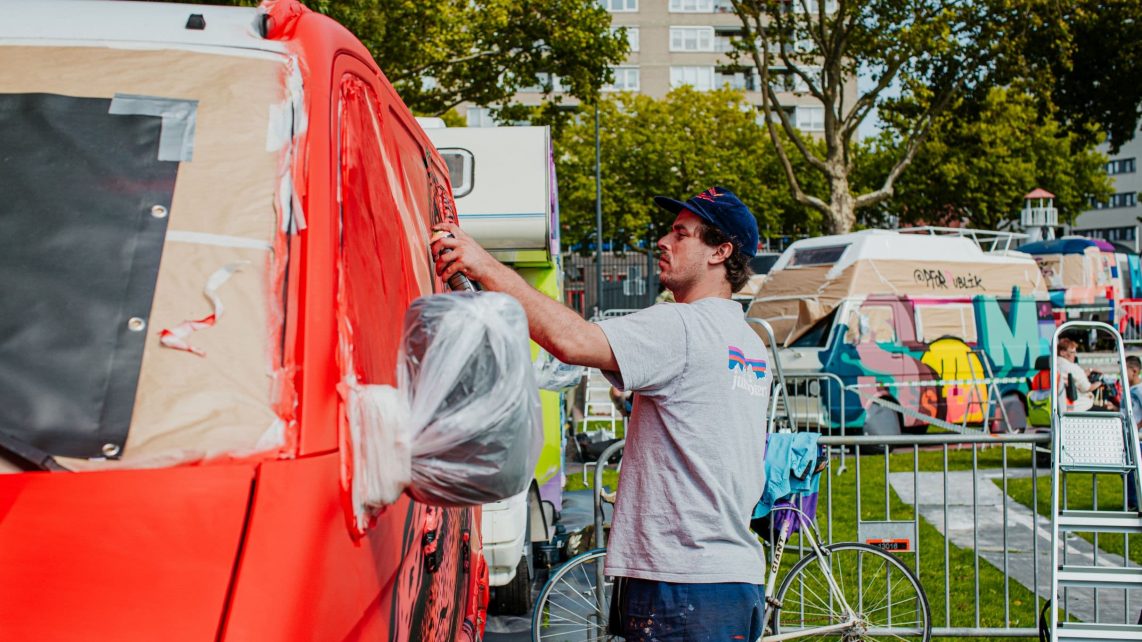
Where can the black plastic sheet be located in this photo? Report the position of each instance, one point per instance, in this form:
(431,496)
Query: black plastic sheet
(83,215)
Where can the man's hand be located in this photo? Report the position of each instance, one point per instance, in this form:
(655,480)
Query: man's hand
(461,253)
(557,328)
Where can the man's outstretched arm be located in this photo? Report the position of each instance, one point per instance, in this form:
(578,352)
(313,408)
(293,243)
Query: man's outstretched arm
(552,325)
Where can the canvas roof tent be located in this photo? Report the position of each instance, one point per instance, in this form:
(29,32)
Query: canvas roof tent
(813,276)
(1074,268)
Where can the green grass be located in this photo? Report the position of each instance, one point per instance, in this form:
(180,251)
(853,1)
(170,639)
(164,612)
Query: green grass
(959,609)
(1080,496)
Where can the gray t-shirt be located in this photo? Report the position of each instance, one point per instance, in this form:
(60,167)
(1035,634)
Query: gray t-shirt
(693,467)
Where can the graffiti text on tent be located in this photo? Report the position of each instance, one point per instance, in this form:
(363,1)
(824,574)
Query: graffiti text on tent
(940,280)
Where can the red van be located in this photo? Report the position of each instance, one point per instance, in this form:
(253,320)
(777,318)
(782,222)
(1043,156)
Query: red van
(206,215)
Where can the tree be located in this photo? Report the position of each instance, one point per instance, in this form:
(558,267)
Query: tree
(677,146)
(1085,57)
(440,53)
(982,157)
(927,52)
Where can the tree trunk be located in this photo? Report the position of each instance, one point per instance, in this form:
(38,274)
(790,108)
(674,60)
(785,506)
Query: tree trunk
(842,204)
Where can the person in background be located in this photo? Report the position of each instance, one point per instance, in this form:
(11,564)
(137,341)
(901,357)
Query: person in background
(1068,352)
(1134,376)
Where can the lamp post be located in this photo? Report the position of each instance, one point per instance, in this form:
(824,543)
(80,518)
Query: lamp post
(598,218)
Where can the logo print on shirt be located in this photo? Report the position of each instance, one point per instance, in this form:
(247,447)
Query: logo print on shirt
(709,195)
(738,361)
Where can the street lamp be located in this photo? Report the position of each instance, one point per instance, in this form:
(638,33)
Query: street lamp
(598,218)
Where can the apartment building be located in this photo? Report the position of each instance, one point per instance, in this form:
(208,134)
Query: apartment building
(685,42)
(1119,218)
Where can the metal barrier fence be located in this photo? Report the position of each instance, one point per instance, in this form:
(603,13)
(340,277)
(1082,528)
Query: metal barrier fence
(944,504)
(1129,320)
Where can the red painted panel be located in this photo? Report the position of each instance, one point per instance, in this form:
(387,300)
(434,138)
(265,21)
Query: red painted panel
(303,576)
(125,555)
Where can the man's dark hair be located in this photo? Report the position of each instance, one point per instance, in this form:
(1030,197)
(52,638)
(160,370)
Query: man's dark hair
(737,265)
(1134,362)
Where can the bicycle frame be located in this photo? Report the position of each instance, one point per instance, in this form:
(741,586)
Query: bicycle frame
(812,536)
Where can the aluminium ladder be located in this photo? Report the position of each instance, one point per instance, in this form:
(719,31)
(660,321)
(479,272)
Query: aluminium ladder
(1094,443)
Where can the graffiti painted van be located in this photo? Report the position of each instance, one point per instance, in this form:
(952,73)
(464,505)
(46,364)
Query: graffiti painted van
(212,222)
(892,316)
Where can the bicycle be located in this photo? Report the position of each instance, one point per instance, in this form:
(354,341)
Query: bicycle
(847,590)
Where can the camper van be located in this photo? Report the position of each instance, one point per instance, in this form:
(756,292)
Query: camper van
(503,179)
(1092,279)
(212,223)
(1082,275)
(880,315)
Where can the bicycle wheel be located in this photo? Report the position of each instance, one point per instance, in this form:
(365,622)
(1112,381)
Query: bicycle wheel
(569,608)
(886,600)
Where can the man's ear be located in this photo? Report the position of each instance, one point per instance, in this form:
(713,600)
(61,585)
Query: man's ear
(721,253)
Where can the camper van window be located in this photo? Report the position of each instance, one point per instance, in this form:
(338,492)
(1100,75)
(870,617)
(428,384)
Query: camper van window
(945,320)
(460,170)
(818,335)
(817,255)
(871,324)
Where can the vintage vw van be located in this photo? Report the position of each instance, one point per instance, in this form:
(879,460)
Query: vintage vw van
(925,322)
(212,222)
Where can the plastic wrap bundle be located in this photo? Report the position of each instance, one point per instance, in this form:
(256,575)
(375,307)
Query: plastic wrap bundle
(466,367)
(553,374)
(463,425)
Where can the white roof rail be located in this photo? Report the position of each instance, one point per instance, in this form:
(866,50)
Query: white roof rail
(987,240)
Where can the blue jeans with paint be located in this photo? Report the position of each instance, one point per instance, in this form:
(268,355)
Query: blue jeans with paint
(669,612)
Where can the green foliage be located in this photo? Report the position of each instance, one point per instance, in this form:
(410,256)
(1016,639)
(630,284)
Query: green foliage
(676,146)
(928,51)
(1085,58)
(1071,67)
(440,53)
(982,156)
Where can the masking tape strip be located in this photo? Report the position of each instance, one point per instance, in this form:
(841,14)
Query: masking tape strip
(176,141)
(218,240)
(176,338)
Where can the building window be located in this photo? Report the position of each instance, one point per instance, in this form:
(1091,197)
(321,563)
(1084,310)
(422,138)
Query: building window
(626,79)
(700,78)
(691,6)
(1121,166)
(813,6)
(1121,199)
(480,117)
(619,6)
(747,80)
(810,119)
(691,39)
(544,80)
(1119,234)
(797,84)
(632,37)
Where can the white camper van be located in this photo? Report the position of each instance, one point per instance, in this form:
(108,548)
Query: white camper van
(503,179)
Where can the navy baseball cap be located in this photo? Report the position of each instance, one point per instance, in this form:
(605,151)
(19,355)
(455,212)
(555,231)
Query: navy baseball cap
(719,207)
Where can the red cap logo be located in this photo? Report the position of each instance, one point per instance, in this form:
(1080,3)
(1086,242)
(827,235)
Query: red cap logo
(708,195)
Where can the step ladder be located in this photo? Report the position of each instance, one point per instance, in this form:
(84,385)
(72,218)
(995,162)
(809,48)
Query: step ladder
(597,405)
(1093,443)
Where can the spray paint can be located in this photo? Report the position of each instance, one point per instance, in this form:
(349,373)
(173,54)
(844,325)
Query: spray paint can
(457,282)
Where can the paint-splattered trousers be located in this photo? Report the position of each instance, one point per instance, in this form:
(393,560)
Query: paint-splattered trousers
(646,610)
